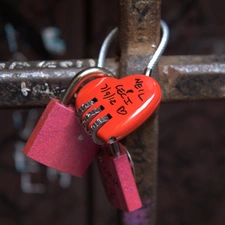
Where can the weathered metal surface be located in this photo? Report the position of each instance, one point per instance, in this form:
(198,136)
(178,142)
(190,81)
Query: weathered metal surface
(139,36)
(182,78)
(32,84)
(139,33)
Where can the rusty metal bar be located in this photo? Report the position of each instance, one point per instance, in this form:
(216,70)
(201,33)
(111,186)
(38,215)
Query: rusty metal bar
(32,84)
(139,30)
(185,78)
(182,78)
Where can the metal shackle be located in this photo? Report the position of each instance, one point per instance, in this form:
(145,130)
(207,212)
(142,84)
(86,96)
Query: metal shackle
(82,78)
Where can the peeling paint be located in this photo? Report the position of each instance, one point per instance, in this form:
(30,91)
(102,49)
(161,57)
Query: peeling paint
(19,65)
(43,89)
(47,64)
(47,90)
(6,75)
(66,64)
(34,74)
(24,89)
(2,66)
(79,63)
(92,62)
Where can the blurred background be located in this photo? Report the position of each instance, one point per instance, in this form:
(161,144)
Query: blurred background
(191,184)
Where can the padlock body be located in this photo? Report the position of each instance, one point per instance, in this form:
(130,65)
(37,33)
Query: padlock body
(60,142)
(118,180)
(128,102)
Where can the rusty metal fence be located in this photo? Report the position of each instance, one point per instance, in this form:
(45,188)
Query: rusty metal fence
(182,78)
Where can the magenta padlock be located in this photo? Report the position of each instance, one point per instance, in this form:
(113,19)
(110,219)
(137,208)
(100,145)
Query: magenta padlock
(117,176)
(58,140)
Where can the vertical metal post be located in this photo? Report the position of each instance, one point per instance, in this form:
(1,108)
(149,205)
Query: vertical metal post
(139,36)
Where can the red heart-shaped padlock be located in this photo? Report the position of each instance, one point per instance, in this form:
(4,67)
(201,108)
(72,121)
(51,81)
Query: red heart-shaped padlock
(126,103)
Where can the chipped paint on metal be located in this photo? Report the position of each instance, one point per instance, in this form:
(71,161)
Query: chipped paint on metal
(19,65)
(24,89)
(91,62)
(66,64)
(79,63)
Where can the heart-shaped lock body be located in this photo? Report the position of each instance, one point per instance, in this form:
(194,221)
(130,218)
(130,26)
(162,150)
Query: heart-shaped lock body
(125,102)
(118,179)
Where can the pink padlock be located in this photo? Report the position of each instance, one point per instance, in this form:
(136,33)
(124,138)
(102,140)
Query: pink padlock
(58,140)
(117,176)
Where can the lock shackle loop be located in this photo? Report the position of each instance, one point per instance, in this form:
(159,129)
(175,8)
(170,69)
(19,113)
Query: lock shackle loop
(105,46)
(89,74)
(154,59)
(80,79)
(161,47)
